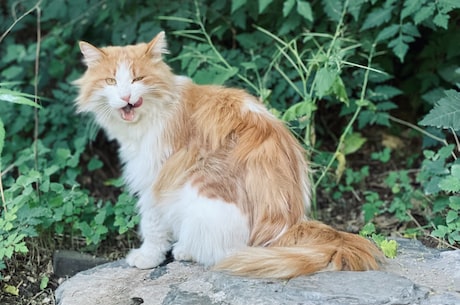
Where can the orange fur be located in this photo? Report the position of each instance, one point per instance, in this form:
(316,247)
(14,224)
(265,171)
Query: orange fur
(228,146)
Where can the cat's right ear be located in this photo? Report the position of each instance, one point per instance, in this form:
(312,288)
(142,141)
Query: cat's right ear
(91,54)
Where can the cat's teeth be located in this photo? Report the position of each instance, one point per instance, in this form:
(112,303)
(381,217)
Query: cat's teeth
(127,113)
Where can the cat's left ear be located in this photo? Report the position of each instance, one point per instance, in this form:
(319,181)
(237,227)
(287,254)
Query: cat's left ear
(157,47)
(91,54)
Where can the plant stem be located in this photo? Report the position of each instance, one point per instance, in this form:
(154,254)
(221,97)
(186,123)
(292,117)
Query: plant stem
(37,67)
(352,120)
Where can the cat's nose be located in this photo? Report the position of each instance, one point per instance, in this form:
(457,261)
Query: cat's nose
(126,98)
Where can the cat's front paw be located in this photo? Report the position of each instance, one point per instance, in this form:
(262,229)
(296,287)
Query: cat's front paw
(180,254)
(144,258)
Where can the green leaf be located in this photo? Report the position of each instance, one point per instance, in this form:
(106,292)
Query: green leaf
(388,32)
(446,112)
(410,7)
(263,5)
(236,4)
(367,230)
(377,17)
(424,13)
(399,46)
(299,110)
(455,171)
(44,282)
(12,290)
(441,20)
(440,231)
(451,216)
(454,203)
(333,8)
(17,97)
(338,88)
(216,75)
(324,80)
(450,184)
(389,248)
(94,164)
(288,5)
(304,10)
(353,142)
(354,7)
(448,5)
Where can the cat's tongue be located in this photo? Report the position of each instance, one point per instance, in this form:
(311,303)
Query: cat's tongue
(127,112)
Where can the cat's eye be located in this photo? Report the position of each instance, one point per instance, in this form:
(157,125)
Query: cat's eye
(137,79)
(111,81)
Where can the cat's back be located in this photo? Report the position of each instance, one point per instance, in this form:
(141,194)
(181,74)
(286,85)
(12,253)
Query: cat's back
(217,112)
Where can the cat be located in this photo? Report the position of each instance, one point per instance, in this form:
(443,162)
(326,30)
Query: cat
(221,181)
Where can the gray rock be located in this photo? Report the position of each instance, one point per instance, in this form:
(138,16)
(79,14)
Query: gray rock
(68,263)
(417,276)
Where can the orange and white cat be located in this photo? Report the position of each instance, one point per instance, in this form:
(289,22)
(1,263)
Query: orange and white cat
(220,180)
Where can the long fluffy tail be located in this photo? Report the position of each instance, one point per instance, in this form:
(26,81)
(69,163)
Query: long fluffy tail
(306,248)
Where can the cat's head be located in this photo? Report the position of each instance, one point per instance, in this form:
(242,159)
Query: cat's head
(124,83)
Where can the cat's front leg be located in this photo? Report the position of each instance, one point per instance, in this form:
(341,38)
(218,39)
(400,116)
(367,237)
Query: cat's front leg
(156,238)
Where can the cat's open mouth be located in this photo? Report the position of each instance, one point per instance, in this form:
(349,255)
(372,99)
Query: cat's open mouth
(128,113)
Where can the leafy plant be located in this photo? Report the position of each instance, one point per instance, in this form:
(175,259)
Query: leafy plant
(389,247)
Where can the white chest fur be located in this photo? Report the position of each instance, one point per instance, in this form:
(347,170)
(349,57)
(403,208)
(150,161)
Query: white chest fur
(143,158)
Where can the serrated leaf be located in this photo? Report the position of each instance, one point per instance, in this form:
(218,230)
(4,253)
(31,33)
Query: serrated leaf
(410,7)
(399,46)
(448,5)
(236,4)
(450,184)
(288,5)
(441,20)
(377,17)
(424,13)
(333,8)
(263,5)
(446,112)
(304,10)
(354,8)
(410,29)
(387,91)
(388,32)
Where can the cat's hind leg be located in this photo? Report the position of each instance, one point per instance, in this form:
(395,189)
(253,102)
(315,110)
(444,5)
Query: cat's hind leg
(155,235)
(210,230)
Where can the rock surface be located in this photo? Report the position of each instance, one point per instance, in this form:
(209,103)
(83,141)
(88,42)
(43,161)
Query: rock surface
(418,275)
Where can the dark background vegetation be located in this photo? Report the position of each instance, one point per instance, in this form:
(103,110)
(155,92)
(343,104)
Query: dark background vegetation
(353,79)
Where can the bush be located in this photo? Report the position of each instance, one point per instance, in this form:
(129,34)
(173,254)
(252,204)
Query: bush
(332,69)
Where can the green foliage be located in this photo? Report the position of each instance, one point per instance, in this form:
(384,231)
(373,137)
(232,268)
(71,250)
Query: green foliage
(446,113)
(315,64)
(388,247)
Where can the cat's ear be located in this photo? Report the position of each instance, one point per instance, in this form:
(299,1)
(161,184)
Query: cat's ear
(157,47)
(91,54)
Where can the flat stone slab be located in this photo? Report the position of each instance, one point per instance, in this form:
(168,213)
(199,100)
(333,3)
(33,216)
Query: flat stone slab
(418,275)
